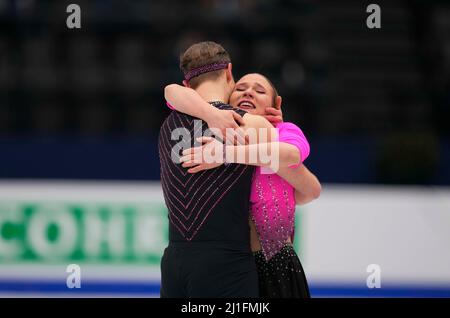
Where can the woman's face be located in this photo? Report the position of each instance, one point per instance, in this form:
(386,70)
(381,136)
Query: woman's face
(252,93)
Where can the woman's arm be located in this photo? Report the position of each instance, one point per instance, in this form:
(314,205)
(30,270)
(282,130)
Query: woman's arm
(307,186)
(188,101)
(271,154)
(211,154)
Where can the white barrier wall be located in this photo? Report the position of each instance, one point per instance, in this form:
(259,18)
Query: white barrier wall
(404,230)
(116,233)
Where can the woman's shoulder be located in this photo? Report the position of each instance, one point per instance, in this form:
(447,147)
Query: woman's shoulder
(288,127)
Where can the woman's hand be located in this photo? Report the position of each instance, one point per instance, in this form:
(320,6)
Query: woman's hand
(273,115)
(207,156)
(224,120)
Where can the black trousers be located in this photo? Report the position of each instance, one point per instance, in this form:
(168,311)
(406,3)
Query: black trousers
(282,276)
(208,270)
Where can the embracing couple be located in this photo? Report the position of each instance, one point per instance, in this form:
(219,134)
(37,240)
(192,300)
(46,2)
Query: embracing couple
(231,221)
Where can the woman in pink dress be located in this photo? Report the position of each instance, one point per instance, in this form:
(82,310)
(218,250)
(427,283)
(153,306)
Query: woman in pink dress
(273,196)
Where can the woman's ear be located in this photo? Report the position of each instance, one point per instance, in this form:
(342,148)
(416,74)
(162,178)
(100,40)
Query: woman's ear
(278,102)
(186,83)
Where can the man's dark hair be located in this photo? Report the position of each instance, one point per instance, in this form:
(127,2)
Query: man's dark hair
(201,54)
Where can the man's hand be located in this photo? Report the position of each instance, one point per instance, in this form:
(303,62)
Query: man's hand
(207,156)
(273,115)
(224,120)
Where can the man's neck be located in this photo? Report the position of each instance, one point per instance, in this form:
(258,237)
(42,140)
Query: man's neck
(211,92)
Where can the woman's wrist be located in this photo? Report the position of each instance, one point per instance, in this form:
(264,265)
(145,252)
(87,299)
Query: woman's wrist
(209,113)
